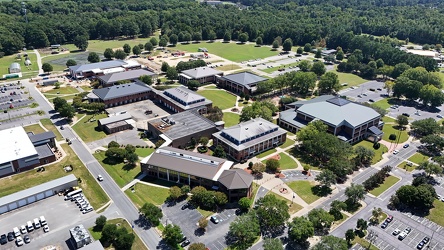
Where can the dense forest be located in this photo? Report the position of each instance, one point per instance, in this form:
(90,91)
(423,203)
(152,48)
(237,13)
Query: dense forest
(304,21)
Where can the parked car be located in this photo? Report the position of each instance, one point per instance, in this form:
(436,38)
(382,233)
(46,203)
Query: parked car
(19,241)
(405,114)
(395,152)
(389,219)
(26,239)
(3,239)
(214,219)
(384,224)
(185,243)
(23,229)
(396,232)
(45,228)
(11,236)
(406,146)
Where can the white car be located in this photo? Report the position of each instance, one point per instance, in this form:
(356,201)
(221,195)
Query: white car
(46,228)
(23,229)
(396,232)
(395,152)
(19,241)
(100,178)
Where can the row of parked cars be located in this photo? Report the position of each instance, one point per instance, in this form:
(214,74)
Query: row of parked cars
(24,230)
(404,233)
(81,201)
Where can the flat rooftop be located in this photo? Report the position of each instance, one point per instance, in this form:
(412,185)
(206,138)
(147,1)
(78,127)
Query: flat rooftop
(185,123)
(15,144)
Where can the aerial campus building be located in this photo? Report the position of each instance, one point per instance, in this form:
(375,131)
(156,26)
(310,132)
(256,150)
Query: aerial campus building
(102,68)
(245,82)
(349,121)
(201,74)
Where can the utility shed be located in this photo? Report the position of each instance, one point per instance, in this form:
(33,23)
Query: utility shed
(40,192)
(14,68)
(80,236)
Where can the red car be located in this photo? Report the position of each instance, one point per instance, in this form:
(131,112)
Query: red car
(11,106)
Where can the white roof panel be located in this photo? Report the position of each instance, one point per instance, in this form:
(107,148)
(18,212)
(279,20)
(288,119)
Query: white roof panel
(15,144)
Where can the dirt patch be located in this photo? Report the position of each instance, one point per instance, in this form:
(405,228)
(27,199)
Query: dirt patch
(276,157)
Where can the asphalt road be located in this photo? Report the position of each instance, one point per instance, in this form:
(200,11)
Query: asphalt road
(125,208)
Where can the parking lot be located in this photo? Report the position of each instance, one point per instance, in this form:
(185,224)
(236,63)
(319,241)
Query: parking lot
(297,175)
(371,90)
(187,220)
(60,216)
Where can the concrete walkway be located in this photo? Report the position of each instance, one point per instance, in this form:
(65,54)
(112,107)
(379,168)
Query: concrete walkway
(133,182)
(39,61)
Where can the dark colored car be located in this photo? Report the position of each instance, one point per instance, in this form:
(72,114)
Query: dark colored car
(426,240)
(3,239)
(406,146)
(214,219)
(185,243)
(420,245)
(405,114)
(11,236)
(384,225)
(26,239)
(185,206)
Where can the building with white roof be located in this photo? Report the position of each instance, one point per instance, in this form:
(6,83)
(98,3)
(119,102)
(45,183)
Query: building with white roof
(241,82)
(349,121)
(201,74)
(247,139)
(181,98)
(102,68)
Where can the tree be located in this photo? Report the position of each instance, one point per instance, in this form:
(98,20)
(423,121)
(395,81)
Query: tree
(361,224)
(259,41)
(152,213)
(326,178)
(198,194)
(363,155)
(376,213)
(67,111)
(148,46)
(211,35)
(81,42)
(329,82)
(70,63)
(270,221)
(46,67)
(163,42)
(116,154)
(420,197)
(355,193)
(185,189)
(336,207)
(318,53)
(219,152)
(148,80)
(193,85)
(243,38)
(245,203)
(272,244)
(204,141)
(93,57)
(153,41)
(389,86)
(203,222)
(286,46)
(431,95)
(132,158)
(272,165)
(220,198)
(264,109)
(318,68)
(100,223)
(244,230)
(399,69)
(174,39)
(109,233)
(119,54)
(197,246)
(331,242)
(175,192)
(300,229)
(425,127)
(307,47)
(402,121)
(124,240)
(57,85)
(127,48)
(136,50)
(340,55)
(172,234)
(165,66)
(171,73)
(113,144)
(258,168)
(320,219)
(430,168)
(299,51)
(227,36)
(304,65)
(350,235)
(109,53)
(197,36)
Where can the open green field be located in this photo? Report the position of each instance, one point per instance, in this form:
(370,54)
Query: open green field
(387,119)
(231,51)
(121,173)
(6,61)
(393,129)
(349,78)
(388,182)
(49,126)
(144,152)
(62,91)
(304,189)
(88,130)
(205,213)
(384,103)
(35,128)
(230,119)
(146,193)
(288,143)
(418,158)
(68,98)
(137,244)
(406,167)
(220,98)
(228,67)
(292,207)
(378,153)
(31,178)
(266,153)
(286,162)
(437,213)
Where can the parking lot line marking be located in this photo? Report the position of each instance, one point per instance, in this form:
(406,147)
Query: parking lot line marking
(414,237)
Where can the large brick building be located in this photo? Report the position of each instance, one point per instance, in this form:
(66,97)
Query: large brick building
(201,74)
(247,139)
(245,82)
(180,99)
(130,75)
(349,121)
(121,94)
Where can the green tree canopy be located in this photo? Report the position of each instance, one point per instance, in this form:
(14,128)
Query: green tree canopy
(93,57)
(152,213)
(300,229)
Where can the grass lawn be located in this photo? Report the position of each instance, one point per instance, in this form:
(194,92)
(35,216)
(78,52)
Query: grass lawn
(293,208)
(220,98)
(437,213)
(6,61)
(364,243)
(266,153)
(384,103)
(228,67)
(49,126)
(230,119)
(286,162)
(88,130)
(231,51)
(418,158)
(144,152)
(406,167)
(378,152)
(290,134)
(63,91)
(338,222)
(388,182)
(387,119)
(145,193)
(302,158)
(205,213)
(91,188)
(211,86)
(137,244)
(121,173)
(351,79)
(392,129)
(35,128)
(86,88)
(66,97)
(287,143)
(304,190)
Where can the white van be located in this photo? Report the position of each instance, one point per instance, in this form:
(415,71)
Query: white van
(42,220)
(36,223)
(29,226)
(16,232)
(72,193)
(87,210)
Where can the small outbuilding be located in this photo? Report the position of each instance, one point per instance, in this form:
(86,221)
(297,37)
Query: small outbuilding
(14,68)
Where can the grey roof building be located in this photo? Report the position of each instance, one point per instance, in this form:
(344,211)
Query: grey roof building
(42,138)
(247,139)
(14,68)
(116,123)
(201,74)
(348,120)
(241,82)
(129,75)
(181,127)
(123,90)
(235,179)
(181,98)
